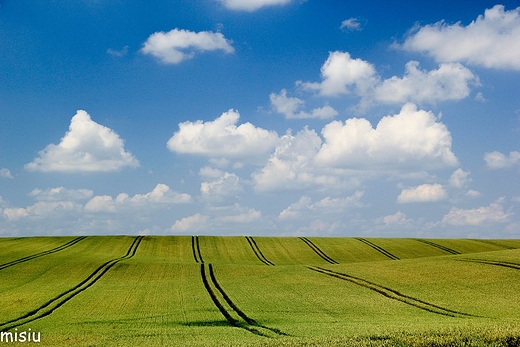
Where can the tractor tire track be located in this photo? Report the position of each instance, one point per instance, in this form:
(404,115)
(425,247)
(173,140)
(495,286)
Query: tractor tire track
(392,294)
(195,246)
(433,244)
(493,262)
(41,254)
(193,249)
(377,248)
(248,323)
(495,244)
(257,251)
(318,251)
(58,301)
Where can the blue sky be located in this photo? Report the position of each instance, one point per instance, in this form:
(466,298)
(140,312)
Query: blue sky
(265,117)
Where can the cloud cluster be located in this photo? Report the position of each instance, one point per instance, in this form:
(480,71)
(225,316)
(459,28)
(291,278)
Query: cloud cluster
(222,138)
(492,40)
(343,75)
(192,224)
(251,5)
(351,24)
(497,160)
(178,45)
(459,178)
(86,147)
(410,140)
(160,195)
(422,193)
(327,205)
(60,194)
(5,173)
(494,213)
(289,107)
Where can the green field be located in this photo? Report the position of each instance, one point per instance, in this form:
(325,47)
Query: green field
(274,291)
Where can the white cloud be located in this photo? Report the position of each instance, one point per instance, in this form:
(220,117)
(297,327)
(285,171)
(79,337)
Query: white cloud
(340,72)
(115,53)
(222,183)
(42,209)
(193,223)
(60,193)
(493,213)
(398,218)
(86,147)
(497,160)
(160,195)
(422,193)
(473,193)
(289,107)
(5,173)
(251,5)
(351,24)
(449,82)
(327,205)
(177,45)
(222,138)
(250,216)
(459,178)
(412,137)
(343,75)
(492,40)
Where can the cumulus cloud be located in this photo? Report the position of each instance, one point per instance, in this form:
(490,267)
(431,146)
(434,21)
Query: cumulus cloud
(60,194)
(86,147)
(459,178)
(5,173)
(251,5)
(398,218)
(42,209)
(491,41)
(223,138)
(190,224)
(493,213)
(351,24)
(497,160)
(422,193)
(410,137)
(343,75)
(160,195)
(178,45)
(289,107)
(340,73)
(220,183)
(246,217)
(327,205)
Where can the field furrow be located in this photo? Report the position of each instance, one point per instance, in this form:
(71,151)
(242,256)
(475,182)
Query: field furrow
(318,251)
(257,251)
(49,307)
(377,248)
(433,244)
(493,262)
(41,254)
(391,294)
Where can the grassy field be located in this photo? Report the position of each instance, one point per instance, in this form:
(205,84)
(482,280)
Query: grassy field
(260,291)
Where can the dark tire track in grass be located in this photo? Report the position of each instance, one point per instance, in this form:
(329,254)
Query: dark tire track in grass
(377,248)
(318,251)
(392,294)
(41,254)
(433,244)
(495,244)
(248,323)
(257,251)
(493,262)
(193,249)
(53,304)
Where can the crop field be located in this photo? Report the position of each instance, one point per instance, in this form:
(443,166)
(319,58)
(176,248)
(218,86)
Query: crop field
(259,291)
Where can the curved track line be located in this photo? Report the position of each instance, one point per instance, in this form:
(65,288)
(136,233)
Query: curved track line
(377,248)
(495,244)
(433,244)
(257,251)
(318,251)
(493,262)
(391,294)
(50,306)
(249,324)
(41,254)
(193,249)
